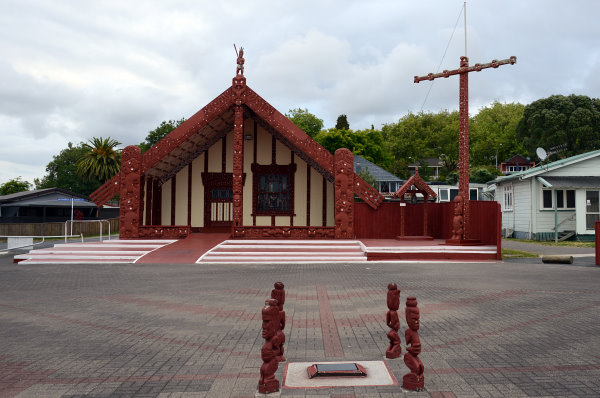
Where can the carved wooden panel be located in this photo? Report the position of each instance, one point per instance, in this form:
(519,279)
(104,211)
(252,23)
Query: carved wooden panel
(344,194)
(130,215)
(260,232)
(164,231)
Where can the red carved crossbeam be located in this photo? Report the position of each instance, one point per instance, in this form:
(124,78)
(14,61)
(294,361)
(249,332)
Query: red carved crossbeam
(463,129)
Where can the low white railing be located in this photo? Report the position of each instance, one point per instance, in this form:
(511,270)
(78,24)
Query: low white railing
(98,221)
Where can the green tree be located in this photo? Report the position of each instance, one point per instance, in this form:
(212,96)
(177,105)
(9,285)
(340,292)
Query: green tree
(483,174)
(493,134)
(62,172)
(15,185)
(420,136)
(159,133)
(308,122)
(366,143)
(101,161)
(559,120)
(342,123)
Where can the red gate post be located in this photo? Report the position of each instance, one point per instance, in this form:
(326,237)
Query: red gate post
(279,294)
(268,353)
(597,242)
(393,322)
(414,380)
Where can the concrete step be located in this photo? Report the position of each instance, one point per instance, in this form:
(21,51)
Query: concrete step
(285,251)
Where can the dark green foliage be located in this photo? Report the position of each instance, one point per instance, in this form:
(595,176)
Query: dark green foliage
(159,133)
(557,120)
(62,172)
(308,122)
(483,174)
(15,185)
(366,143)
(342,123)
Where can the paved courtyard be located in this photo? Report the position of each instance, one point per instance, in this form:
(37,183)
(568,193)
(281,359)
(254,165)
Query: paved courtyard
(515,328)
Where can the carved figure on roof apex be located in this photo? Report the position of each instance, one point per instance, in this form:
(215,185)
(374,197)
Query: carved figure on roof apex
(240,62)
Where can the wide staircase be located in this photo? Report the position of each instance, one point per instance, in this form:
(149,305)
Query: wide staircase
(108,251)
(285,251)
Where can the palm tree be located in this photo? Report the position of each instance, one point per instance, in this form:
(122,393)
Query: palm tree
(101,161)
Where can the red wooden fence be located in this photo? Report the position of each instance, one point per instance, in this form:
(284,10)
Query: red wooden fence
(384,223)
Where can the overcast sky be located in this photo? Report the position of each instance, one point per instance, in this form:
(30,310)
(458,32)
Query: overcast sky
(72,70)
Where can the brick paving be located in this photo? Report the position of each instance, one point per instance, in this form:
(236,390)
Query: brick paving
(517,329)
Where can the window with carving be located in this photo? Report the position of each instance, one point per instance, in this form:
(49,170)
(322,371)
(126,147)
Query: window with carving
(273,190)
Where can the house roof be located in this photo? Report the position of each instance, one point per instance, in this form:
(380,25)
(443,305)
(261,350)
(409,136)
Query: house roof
(574,182)
(45,197)
(194,136)
(380,174)
(517,160)
(545,168)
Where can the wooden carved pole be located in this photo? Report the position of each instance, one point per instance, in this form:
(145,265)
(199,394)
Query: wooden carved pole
(279,294)
(393,322)
(130,213)
(463,127)
(238,167)
(343,164)
(414,380)
(270,316)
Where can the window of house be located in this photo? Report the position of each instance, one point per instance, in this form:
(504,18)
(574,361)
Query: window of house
(547,199)
(444,195)
(473,194)
(384,187)
(564,198)
(592,208)
(273,187)
(508,197)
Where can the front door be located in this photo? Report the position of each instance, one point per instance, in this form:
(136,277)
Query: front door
(218,199)
(219,207)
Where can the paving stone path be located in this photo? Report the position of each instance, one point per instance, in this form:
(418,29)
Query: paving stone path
(510,329)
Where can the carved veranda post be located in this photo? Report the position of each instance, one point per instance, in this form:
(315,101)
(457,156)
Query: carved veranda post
(238,167)
(463,127)
(131,210)
(343,165)
(239,92)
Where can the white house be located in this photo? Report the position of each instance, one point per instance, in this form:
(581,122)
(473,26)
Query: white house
(554,200)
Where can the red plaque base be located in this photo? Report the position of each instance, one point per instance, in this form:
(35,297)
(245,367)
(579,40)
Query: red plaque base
(269,387)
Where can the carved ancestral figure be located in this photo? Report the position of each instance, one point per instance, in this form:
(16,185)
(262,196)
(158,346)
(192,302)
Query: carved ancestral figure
(240,62)
(279,294)
(270,316)
(414,380)
(393,322)
(458,221)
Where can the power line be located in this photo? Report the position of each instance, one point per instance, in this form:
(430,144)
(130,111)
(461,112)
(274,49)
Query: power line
(443,57)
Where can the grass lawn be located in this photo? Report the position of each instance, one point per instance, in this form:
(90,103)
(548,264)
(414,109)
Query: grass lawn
(509,253)
(567,243)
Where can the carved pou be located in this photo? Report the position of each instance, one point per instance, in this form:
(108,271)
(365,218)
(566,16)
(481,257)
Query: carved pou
(279,294)
(270,325)
(393,322)
(414,380)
